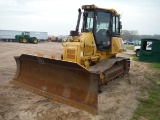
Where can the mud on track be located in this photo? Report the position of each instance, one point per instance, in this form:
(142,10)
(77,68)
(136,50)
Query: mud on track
(117,102)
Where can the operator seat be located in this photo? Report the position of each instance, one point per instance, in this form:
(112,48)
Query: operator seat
(101,36)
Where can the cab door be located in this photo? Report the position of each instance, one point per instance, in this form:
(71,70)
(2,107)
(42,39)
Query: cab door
(102,30)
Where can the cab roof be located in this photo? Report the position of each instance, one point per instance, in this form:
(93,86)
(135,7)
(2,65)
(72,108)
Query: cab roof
(91,7)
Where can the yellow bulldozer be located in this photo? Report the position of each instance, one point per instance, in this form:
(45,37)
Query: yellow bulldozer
(88,63)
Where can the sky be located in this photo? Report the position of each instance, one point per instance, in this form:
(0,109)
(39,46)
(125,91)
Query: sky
(59,17)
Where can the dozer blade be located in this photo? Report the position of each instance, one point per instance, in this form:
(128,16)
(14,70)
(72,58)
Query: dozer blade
(62,81)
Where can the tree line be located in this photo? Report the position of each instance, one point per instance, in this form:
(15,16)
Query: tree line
(131,35)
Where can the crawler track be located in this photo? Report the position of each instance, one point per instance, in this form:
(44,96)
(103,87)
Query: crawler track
(111,69)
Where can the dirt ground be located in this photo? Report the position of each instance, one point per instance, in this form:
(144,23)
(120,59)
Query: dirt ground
(117,102)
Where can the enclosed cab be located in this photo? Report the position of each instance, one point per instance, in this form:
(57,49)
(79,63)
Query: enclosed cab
(103,23)
(100,36)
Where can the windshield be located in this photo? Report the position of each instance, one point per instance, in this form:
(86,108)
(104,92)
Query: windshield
(26,33)
(102,26)
(103,20)
(88,18)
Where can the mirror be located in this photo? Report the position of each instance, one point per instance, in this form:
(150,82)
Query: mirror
(120,25)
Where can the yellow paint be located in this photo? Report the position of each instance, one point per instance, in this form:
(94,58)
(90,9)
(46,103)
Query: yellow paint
(40,55)
(82,49)
(24,40)
(35,41)
(87,7)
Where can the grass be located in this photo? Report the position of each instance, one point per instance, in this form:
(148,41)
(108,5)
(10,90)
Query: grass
(134,57)
(129,47)
(149,108)
(155,66)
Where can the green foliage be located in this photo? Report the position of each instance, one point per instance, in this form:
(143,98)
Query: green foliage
(129,34)
(133,35)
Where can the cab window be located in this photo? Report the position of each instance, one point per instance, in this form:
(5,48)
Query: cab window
(115,25)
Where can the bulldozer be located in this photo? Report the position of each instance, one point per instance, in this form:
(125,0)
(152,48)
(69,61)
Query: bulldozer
(88,62)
